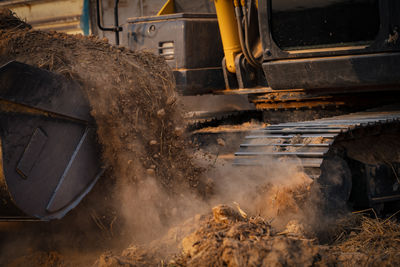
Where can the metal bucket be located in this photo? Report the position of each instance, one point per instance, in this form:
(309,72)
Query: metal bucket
(50,154)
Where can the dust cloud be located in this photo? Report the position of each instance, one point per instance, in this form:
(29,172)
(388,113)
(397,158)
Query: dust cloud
(268,190)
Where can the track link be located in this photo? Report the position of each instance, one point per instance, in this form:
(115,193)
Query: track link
(308,144)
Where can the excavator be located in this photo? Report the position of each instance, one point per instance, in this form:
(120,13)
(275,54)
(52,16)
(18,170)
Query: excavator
(324,74)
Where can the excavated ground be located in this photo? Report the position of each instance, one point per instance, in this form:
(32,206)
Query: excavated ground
(159,202)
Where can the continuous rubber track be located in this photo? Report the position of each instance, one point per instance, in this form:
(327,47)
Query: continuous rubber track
(309,143)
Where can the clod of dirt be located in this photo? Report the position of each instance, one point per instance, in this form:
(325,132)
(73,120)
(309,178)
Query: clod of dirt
(153,142)
(294,228)
(220,142)
(161,113)
(179,131)
(226,214)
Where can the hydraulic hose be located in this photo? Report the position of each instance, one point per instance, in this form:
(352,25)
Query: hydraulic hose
(241,37)
(247,43)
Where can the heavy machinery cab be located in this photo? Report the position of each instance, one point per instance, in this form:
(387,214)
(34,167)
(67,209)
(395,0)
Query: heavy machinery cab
(330,44)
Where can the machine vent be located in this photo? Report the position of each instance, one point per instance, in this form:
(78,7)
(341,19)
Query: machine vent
(167,50)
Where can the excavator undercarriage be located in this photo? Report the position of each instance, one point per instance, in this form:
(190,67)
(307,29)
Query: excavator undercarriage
(355,158)
(325,76)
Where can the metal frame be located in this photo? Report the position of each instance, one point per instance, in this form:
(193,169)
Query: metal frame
(389,11)
(116,27)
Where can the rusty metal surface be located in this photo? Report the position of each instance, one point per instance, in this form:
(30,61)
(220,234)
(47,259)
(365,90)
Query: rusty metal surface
(266,98)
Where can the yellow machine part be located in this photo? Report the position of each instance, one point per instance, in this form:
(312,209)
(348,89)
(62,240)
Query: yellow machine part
(229,32)
(168,8)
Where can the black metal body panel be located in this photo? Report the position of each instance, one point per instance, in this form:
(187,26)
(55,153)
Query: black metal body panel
(324,67)
(40,89)
(50,154)
(335,72)
(316,24)
(198,81)
(190,43)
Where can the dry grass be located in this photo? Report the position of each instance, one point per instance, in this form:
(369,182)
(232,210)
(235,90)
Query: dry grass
(367,241)
(374,235)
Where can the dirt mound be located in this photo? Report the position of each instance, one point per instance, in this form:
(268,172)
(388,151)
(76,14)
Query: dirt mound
(226,238)
(238,241)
